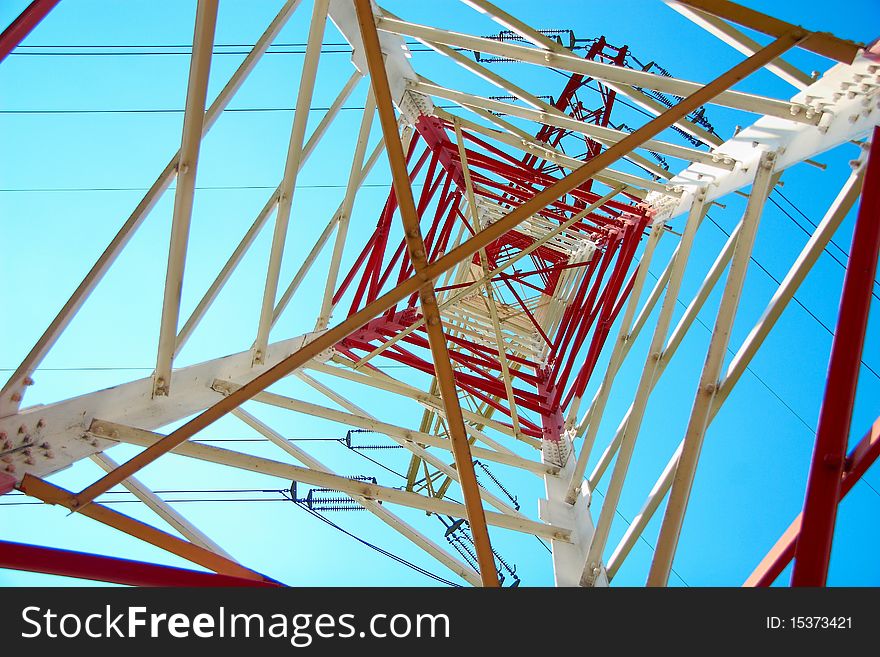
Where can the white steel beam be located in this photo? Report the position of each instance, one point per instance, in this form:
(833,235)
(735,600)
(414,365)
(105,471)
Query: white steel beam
(344,214)
(528,144)
(568,556)
(184,194)
(490,300)
(427,400)
(110,433)
(319,244)
(630,426)
(522,139)
(743,43)
(63,423)
(401,435)
(641,320)
(558,119)
(850,113)
(668,351)
(526,97)
(291,170)
(416,449)
(545,43)
(618,351)
(835,214)
(685,472)
(616,77)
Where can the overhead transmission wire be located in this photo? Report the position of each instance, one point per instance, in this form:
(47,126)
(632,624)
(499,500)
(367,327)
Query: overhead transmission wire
(809,234)
(412,46)
(794,298)
(175,110)
(75,50)
(378,549)
(198,187)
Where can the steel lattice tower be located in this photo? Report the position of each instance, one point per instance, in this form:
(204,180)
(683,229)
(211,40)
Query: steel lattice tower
(513,279)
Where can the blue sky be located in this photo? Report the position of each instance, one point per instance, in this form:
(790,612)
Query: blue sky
(753,469)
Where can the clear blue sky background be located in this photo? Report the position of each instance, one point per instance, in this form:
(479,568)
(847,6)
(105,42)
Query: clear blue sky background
(88,119)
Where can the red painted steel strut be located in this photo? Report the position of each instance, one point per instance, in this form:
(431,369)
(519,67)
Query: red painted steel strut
(24,24)
(823,486)
(860,458)
(84,565)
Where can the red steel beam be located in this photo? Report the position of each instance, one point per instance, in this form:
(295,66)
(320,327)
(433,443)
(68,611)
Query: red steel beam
(22,26)
(7,483)
(823,486)
(84,565)
(860,458)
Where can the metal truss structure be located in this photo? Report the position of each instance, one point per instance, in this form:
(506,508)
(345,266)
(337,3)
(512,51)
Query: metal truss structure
(497,286)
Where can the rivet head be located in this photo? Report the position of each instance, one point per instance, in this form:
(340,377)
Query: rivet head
(832,460)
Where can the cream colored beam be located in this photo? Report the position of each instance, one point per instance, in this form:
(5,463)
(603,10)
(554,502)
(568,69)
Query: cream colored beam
(525,96)
(707,388)
(668,351)
(637,326)
(291,169)
(530,145)
(288,472)
(430,402)
(741,42)
(821,43)
(490,301)
(647,381)
(344,216)
(616,359)
(392,520)
(619,78)
(252,232)
(557,119)
(318,247)
(417,450)
(184,194)
(545,43)
(393,431)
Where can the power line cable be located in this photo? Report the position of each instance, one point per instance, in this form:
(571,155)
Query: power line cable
(378,549)
(793,297)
